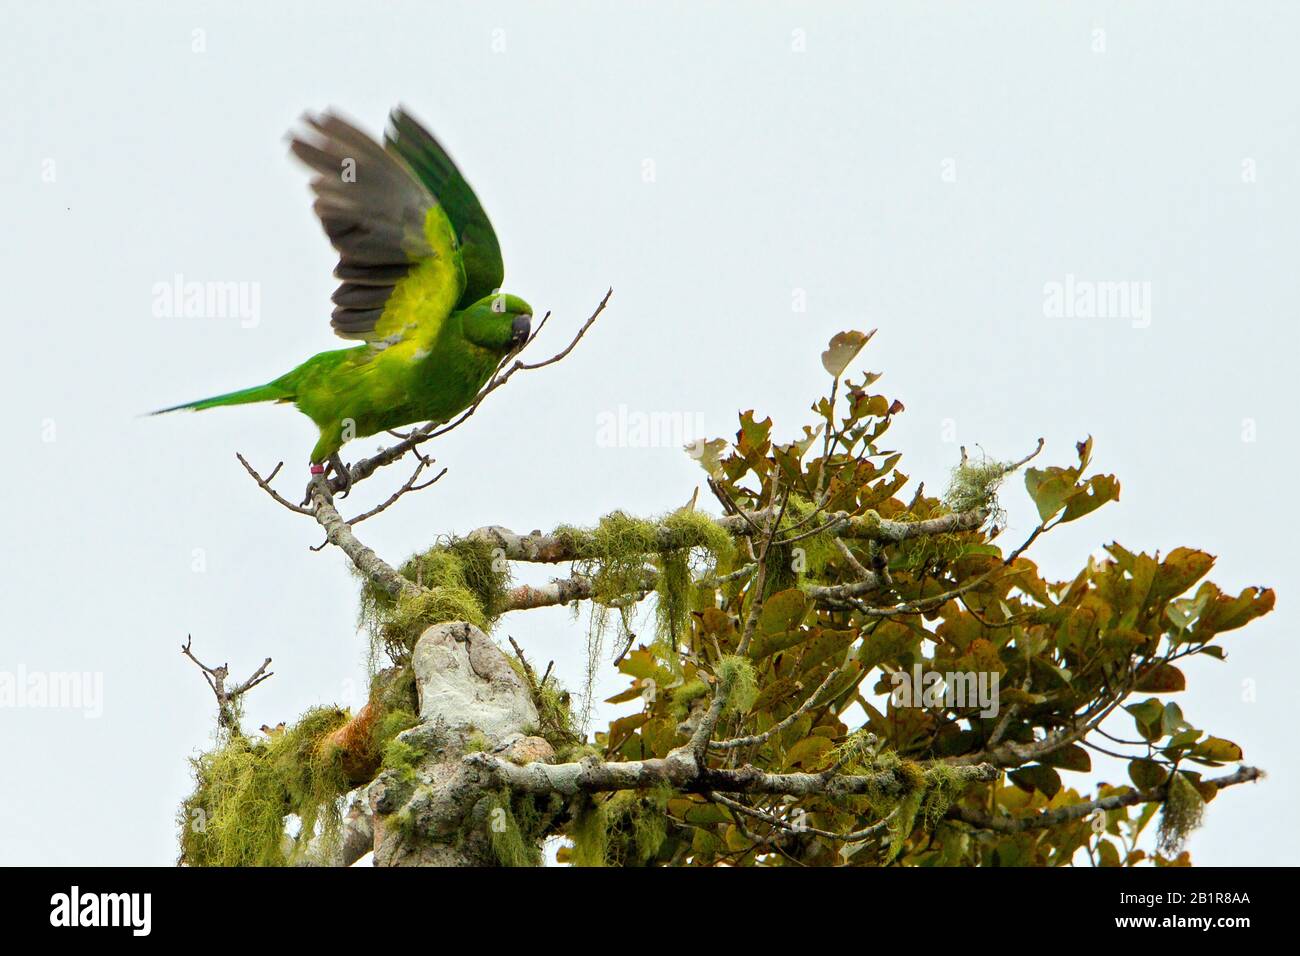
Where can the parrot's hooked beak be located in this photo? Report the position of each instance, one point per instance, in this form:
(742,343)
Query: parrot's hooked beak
(519,330)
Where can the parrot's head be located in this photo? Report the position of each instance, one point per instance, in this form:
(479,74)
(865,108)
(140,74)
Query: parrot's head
(498,322)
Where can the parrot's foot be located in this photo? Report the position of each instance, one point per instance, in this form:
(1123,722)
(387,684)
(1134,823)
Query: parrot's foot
(343,471)
(317,473)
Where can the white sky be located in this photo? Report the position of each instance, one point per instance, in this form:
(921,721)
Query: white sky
(774,171)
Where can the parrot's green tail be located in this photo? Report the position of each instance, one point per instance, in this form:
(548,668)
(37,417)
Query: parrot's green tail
(271,392)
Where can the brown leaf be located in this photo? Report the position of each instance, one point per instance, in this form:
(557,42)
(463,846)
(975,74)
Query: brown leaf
(843,349)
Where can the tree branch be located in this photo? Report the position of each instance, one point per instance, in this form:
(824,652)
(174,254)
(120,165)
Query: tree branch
(227,697)
(685,775)
(339,533)
(577,587)
(539,548)
(1075,811)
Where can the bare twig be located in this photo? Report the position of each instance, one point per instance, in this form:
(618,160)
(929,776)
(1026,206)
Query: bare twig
(227,697)
(409,486)
(265,485)
(856,836)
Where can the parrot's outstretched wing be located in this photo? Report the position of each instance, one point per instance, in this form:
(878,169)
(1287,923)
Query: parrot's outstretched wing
(400,263)
(416,146)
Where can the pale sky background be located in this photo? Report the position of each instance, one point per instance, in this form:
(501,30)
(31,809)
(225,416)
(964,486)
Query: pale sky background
(1161,150)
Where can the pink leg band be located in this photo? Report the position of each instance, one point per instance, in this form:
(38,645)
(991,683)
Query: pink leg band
(318,469)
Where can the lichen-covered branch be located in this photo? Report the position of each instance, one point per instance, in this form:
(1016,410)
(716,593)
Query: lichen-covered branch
(1013,754)
(1077,811)
(684,774)
(339,533)
(558,591)
(548,548)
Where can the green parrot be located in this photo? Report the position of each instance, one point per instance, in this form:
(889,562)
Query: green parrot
(421,275)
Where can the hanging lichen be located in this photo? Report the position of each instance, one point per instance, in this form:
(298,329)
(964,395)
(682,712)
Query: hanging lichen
(462,579)
(638,825)
(588,831)
(624,557)
(624,829)
(902,821)
(943,785)
(808,556)
(612,555)
(1183,811)
(899,805)
(905,792)
(927,554)
(685,695)
(245,788)
(514,829)
(737,680)
(597,629)
(311,770)
(235,816)
(975,485)
(673,603)
(854,754)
